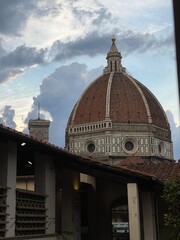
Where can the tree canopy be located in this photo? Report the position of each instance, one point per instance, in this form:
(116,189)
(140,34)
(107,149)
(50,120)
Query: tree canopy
(172,200)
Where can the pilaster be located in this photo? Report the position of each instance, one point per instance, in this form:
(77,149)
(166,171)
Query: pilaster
(45,184)
(148,216)
(134,214)
(8,156)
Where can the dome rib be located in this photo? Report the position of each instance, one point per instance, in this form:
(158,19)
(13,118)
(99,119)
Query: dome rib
(108,95)
(156,112)
(143,97)
(74,112)
(120,98)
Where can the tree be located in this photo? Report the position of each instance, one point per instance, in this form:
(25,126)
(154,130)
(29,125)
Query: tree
(172,200)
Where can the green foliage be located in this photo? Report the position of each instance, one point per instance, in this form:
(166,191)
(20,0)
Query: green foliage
(172,199)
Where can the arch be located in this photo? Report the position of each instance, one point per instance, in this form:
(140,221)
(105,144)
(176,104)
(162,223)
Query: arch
(115,66)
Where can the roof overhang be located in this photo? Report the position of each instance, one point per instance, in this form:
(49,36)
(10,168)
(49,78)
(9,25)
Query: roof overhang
(67,160)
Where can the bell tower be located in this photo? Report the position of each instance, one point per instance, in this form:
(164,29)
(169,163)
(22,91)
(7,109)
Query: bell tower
(39,128)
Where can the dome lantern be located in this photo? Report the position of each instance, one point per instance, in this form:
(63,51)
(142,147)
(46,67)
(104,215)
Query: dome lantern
(113,59)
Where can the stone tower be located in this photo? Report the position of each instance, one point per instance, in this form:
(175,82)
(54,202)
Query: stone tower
(39,128)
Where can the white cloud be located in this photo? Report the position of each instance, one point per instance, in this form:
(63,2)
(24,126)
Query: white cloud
(7,117)
(175,132)
(58,94)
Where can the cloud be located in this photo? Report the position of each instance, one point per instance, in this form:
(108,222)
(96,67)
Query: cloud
(98,16)
(175,132)
(9,73)
(14,15)
(23,56)
(137,42)
(94,43)
(19,60)
(8,115)
(2,50)
(58,94)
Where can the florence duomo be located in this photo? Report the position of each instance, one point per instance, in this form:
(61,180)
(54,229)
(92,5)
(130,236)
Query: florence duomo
(110,180)
(117,117)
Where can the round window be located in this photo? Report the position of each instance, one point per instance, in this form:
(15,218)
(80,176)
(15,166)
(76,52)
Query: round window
(129,146)
(91,147)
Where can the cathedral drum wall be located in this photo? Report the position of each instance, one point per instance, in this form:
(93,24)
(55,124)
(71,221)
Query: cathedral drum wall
(120,144)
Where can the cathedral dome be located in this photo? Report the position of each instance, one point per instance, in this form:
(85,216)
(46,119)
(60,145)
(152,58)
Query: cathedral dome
(120,98)
(120,107)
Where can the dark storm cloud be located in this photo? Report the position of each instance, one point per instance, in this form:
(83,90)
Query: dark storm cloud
(14,14)
(2,50)
(93,44)
(58,94)
(175,132)
(23,56)
(134,42)
(15,62)
(8,115)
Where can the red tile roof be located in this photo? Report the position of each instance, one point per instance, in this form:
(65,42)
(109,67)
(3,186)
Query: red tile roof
(136,166)
(163,171)
(129,101)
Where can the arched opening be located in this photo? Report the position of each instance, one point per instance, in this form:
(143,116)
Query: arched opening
(115,66)
(120,220)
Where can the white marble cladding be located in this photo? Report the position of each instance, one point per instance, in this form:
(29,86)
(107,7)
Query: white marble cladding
(163,149)
(113,144)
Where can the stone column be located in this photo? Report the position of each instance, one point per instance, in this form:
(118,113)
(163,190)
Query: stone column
(8,156)
(148,216)
(45,184)
(134,214)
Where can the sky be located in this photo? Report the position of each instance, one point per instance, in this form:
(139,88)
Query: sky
(51,50)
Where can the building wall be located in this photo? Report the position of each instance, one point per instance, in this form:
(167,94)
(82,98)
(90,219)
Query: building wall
(110,141)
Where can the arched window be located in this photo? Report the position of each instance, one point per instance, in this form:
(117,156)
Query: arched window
(120,221)
(115,66)
(111,65)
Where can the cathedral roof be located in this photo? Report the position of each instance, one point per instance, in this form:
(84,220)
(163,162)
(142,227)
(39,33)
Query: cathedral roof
(118,97)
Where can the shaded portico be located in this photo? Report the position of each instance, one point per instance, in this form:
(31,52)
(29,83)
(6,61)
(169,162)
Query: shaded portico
(73,195)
